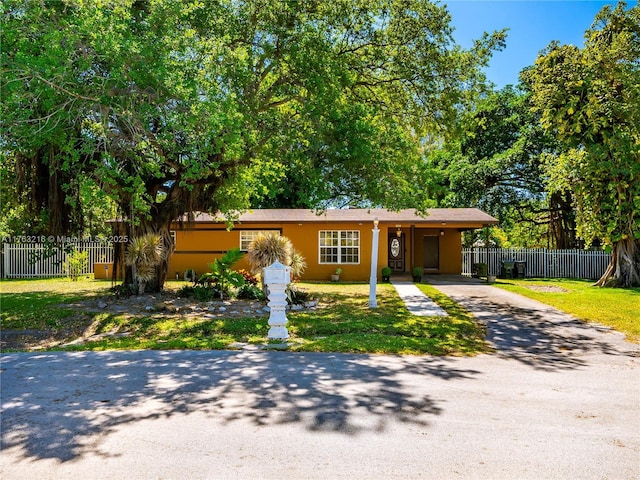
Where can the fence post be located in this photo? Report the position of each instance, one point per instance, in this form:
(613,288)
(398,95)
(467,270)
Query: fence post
(579,261)
(5,259)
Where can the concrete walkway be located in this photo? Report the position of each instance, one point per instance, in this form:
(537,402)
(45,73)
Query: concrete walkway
(417,302)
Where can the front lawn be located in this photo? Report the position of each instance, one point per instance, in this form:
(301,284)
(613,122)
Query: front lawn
(618,308)
(342,322)
(347,324)
(39,304)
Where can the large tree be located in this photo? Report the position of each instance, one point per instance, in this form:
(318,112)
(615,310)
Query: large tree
(175,107)
(589,99)
(495,163)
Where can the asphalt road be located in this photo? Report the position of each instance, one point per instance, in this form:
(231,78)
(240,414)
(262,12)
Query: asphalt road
(558,400)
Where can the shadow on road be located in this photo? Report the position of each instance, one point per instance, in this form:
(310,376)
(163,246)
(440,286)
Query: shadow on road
(53,404)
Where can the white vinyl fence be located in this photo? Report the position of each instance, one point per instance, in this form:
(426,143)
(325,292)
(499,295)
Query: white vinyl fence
(540,262)
(31,260)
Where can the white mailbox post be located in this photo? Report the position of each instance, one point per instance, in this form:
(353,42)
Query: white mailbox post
(276,277)
(373,280)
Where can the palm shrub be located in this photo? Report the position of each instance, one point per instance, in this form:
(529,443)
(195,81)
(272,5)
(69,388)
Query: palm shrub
(268,248)
(221,275)
(271,247)
(298,264)
(144,254)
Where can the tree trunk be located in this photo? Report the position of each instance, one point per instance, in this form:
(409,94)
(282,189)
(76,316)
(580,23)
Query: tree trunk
(562,225)
(179,201)
(162,227)
(122,229)
(50,191)
(624,267)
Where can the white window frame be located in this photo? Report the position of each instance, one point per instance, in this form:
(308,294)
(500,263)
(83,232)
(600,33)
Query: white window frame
(248,236)
(348,245)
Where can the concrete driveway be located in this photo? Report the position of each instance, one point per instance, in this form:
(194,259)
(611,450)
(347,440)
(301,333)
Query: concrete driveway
(558,400)
(531,332)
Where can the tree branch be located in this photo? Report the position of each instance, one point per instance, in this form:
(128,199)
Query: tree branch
(62,89)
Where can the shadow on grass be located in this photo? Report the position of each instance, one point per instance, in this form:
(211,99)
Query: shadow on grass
(55,404)
(37,299)
(34,309)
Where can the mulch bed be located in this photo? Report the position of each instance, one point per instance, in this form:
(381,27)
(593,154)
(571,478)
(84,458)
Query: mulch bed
(547,288)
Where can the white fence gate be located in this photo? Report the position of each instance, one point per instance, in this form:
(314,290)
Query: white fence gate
(31,260)
(540,262)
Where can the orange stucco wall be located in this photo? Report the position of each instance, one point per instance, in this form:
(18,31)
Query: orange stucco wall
(450,249)
(197,247)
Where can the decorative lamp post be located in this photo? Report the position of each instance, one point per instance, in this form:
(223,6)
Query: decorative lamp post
(276,277)
(373,303)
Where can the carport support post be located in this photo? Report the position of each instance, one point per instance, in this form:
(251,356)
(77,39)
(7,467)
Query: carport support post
(373,280)
(486,245)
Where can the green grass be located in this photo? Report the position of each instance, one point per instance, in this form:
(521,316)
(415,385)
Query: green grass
(342,323)
(34,304)
(349,325)
(618,308)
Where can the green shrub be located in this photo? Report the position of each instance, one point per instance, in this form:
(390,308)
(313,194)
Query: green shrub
(296,295)
(248,277)
(250,292)
(123,291)
(186,291)
(417,273)
(200,292)
(205,294)
(480,269)
(77,262)
(221,277)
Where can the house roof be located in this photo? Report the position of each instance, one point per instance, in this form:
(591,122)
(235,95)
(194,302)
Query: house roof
(470,217)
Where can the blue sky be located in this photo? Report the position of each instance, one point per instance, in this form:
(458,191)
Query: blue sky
(532,25)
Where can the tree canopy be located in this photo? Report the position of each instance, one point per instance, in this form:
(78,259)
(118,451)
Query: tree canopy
(174,107)
(495,163)
(588,98)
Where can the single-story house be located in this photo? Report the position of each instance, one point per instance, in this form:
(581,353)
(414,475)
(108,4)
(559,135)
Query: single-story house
(340,238)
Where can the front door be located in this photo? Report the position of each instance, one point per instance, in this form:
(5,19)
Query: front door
(431,252)
(396,252)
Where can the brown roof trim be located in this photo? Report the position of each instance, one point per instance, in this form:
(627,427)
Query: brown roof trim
(433,216)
